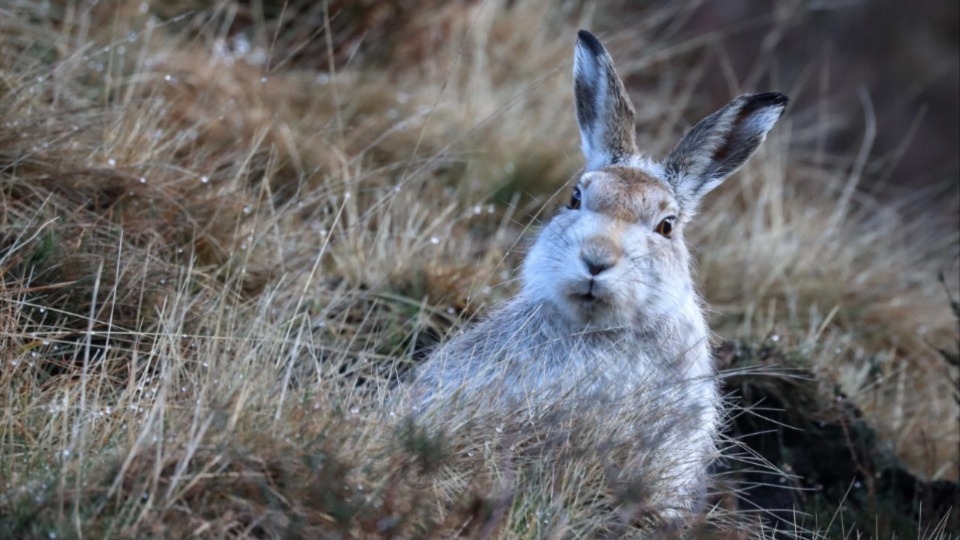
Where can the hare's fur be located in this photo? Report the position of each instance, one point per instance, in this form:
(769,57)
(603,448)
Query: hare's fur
(608,321)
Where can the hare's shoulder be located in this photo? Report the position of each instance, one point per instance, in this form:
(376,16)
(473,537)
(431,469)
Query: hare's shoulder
(515,330)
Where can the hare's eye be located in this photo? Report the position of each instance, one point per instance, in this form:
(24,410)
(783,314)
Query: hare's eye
(575,199)
(666,227)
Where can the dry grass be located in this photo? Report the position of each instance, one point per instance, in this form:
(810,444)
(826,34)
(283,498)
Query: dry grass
(218,251)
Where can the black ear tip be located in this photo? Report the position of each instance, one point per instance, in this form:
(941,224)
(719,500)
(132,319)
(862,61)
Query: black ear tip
(589,41)
(765,100)
(769,99)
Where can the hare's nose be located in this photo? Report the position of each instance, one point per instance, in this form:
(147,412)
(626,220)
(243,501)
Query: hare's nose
(597,268)
(599,254)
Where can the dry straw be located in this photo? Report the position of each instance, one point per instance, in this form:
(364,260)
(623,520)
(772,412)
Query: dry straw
(217,252)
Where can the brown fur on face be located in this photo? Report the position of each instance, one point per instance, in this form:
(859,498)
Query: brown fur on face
(626,194)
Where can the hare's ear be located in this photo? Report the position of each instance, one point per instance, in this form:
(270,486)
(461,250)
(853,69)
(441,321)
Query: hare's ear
(720,143)
(604,112)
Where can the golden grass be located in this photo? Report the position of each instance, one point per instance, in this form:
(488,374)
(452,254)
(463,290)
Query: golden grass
(217,253)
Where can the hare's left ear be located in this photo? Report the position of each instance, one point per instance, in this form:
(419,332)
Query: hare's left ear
(604,112)
(719,144)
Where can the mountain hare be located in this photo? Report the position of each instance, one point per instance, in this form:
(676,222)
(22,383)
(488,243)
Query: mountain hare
(608,322)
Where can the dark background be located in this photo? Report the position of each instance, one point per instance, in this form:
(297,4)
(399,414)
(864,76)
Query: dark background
(905,56)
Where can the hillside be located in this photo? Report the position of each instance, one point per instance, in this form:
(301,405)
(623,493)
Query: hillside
(227,228)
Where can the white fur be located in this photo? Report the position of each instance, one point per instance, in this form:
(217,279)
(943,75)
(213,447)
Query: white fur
(638,351)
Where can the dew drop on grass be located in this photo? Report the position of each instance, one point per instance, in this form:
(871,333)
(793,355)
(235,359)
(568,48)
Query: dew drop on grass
(247,210)
(434,240)
(43,310)
(168,77)
(111,162)
(204,179)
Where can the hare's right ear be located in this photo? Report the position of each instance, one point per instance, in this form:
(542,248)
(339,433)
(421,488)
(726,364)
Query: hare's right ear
(719,144)
(604,112)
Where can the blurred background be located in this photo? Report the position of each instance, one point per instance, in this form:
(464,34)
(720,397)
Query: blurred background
(879,76)
(903,57)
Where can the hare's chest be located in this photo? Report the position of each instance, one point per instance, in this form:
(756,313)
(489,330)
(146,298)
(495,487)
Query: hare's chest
(583,369)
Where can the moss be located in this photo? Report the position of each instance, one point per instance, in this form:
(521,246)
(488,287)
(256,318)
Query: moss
(842,473)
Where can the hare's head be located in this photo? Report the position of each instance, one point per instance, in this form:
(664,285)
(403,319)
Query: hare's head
(616,254)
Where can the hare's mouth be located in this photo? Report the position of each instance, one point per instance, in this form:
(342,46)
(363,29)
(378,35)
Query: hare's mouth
(588,294)
(589,301)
